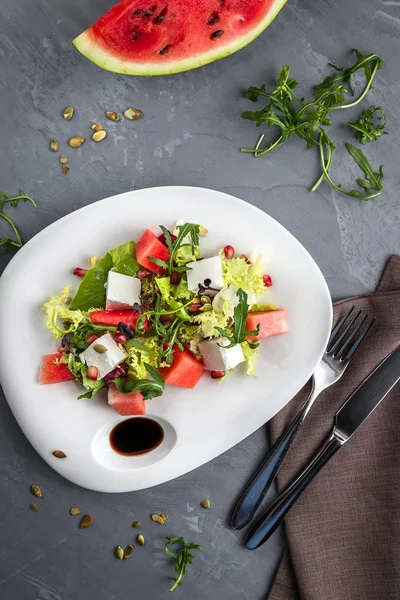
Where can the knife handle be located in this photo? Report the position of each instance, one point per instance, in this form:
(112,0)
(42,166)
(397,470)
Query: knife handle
(265,527)
(256,489)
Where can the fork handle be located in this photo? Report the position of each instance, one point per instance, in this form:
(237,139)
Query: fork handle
(278,509)
(257,487)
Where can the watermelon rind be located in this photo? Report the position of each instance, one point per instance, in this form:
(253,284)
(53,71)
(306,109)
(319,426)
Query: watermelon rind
(88,46)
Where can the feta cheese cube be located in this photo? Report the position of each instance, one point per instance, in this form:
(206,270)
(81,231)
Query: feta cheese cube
(122,290)
(104,361)
(208,268)
(218,358)
(226,300)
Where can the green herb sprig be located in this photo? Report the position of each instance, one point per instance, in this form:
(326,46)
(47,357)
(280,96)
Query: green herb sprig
(8,244)
(294,115)
(188,229)
(239,333)
(150,388)
(367,127)
(183,558)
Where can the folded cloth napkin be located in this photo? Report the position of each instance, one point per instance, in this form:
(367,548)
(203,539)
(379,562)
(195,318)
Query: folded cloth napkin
(344,531)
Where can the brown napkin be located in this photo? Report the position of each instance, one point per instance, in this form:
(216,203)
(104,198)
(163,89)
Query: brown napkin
(344,531)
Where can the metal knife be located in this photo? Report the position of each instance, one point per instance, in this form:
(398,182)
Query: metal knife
(348,419)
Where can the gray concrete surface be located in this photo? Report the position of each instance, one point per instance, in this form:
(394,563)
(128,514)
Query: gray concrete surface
(191,135)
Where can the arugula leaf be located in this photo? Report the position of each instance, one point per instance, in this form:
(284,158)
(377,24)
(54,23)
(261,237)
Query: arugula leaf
(187,229)
(365,127)
(7,244)
(239,333)
(182,559)
(150,388)
(92,292)
(124,259)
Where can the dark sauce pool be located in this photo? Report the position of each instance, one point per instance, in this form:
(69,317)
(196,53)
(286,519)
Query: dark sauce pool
(136,436)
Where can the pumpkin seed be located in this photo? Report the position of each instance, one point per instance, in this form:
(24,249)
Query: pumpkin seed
(119,553)
(36,491)
(205,299)
(59,454)
(87,521)
(68,113)
(203,231)
(97,127)
(54,145)
(99,348)
(63,160)
(65,170)
(206,307)
(113,116)
(164,516)
(76,141)
(140,540)
(136,524)
(133,114)
(99,135)
(128,551)
(205,504)
(33,507)
(74,511)
(158,519)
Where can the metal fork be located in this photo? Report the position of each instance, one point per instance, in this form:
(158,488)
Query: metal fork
(341,348)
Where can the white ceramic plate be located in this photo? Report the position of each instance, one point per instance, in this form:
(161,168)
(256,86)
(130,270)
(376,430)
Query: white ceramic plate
(199,424)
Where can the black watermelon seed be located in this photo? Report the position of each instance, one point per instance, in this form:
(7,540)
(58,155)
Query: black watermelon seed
(213,19)
(164,50)
(216,34)
(138,13)
(136,36)
(150,11)
(161,16)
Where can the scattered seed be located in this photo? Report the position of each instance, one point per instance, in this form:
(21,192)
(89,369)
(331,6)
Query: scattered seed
(138,12)
(65,170)
(164,516)
(136,524)
(205,299)
(164,50)
(140,540)
(119,553)
(87,521)
(128,551)
(54,145)
(205,504)
(76,141)
(63,160)
(213,19)
(36,491)
(113,116)
(99,348)
(68,113)
(158,519)
(203,231)
(33,507)
(206,307)
(97,127)
(99,135)
(216,34)
(133,114)
(161,16)
(59,454)
(74,511)
(136,36)
(150,12)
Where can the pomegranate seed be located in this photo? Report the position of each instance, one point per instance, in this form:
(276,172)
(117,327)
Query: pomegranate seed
(267,280)
(229,252)
(143,273)
(164,241)
(217,374)
(61,349)
(120,338)
(93,373)
(167,318)
(246,259)
(80,272)
(175,278)
(92,338)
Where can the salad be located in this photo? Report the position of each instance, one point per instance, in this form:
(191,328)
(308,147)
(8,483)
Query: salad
(157,312)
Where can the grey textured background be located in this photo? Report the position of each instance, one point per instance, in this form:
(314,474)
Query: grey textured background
(191,135)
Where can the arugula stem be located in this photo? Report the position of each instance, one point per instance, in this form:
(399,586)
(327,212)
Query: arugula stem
(366,89)
(258,152)
(328,164)
(19,243)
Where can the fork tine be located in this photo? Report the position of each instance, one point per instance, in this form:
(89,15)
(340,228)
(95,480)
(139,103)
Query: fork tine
(337,345)
(343,350)
(356,344)
(338,326)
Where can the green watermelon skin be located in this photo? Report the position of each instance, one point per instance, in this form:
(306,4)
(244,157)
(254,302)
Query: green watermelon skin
(150,38)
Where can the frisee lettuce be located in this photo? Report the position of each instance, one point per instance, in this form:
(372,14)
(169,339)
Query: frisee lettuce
(248,277)
(57,311)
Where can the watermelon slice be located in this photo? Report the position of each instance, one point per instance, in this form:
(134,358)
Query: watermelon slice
(126,404)
(113,317)
(150,245)
(50,372)
(143,37)
(185,371)
(272,322)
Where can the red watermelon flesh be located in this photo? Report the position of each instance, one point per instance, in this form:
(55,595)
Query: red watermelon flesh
(50,372)
(113,317)
(149,37)
(185,371)
(150,245)
(272,322)
(126,404)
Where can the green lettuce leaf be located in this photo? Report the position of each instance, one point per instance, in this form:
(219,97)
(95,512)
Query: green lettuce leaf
(92,292)
(182,291)
(209,320)
(248,277)
(168,301)
(263,307)
(186,254)
(249,354)
(124,259)
(79,370)
(57,311)
(142,350)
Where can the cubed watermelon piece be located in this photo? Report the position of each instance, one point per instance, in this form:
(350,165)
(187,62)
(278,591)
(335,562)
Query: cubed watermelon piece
(113,317)
(126,404)
(150,245)
(185,371)
(50,372)
(272,322)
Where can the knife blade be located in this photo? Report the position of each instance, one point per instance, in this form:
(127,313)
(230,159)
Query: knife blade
(348,419)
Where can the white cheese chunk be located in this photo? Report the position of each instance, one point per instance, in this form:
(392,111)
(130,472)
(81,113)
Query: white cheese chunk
(104,361)
(122,290)
(226,300)
(218,358)
(208,268)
